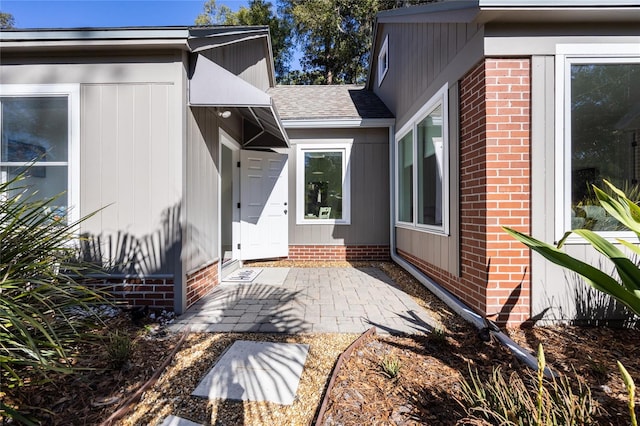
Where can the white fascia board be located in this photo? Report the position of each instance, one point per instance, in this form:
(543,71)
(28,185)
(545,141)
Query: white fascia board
(104,34)
(338,123)
(446,11)
(70,44)
(557,3)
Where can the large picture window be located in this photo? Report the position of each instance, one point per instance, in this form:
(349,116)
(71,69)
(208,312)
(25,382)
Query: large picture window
(37,131)
(601,115)
(323,183)
(421,191)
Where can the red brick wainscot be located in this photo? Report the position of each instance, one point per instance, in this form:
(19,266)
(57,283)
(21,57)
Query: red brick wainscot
(154,292)
(338,252)
(201,281)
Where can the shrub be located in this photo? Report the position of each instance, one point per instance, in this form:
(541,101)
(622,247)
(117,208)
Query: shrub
(391,366)
(38,289)
(118,348)
(625,288)
(533,400)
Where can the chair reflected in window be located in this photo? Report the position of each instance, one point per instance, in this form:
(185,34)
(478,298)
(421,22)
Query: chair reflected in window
(324,213)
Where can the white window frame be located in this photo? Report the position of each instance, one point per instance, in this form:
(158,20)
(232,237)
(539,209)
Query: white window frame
(441,98)
(566,55)
(343,146)
(383,60)
(72,92)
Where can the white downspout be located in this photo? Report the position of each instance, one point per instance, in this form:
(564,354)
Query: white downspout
(441,293)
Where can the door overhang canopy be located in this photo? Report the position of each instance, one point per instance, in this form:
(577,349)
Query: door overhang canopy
(210,85)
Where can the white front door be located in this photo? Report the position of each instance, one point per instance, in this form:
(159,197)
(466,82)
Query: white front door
(264,195)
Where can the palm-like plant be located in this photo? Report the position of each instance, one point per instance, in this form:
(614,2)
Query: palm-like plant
(626,287)
(38,288)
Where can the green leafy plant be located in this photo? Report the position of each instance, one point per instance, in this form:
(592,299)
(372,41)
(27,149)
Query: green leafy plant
(438,335)
(631,392)
(118,348)
(534,400)
(41,301)
(626,288)
(391,366)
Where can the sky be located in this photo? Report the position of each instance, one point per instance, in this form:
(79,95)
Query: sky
(106,13)
(112,13)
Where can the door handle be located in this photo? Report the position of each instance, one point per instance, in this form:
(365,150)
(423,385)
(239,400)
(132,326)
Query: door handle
(285,212)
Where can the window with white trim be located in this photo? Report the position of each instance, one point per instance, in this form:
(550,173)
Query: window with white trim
(422,172)
(383,60)
(39,127)
(323,183)
(598,132)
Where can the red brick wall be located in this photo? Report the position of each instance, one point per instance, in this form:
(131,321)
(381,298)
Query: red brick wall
(494,192)
(508,100)
(334,252)
(201,282)
(153,292)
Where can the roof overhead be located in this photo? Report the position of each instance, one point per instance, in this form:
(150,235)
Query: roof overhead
(185,38)
(262,123)
(484,11)
(333,105)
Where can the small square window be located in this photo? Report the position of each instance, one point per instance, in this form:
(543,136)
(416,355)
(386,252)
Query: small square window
(323,184)
(383,60)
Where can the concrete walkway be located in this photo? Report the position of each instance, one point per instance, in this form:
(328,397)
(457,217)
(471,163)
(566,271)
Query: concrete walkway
(299,300)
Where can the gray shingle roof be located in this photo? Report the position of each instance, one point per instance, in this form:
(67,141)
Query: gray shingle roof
(327,102)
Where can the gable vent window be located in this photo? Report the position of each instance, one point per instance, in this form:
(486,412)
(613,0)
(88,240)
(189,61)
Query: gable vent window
(383,60)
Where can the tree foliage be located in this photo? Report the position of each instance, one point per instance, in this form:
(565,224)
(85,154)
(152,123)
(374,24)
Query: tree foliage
(258,12)
(6,20)
(335,36)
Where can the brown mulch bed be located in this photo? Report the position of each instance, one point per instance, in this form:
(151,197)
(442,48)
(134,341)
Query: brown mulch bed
(425,390)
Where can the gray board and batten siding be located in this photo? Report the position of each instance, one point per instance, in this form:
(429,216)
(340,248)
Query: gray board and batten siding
(423,58)
(246,60)
(369,168)
(321,115)
(154,175)
(127,173)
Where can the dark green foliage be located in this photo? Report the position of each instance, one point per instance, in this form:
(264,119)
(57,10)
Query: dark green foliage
(41,302)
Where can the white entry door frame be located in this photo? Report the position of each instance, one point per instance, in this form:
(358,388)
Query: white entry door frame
(264,210)
(229,142)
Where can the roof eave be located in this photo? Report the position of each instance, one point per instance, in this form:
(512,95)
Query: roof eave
(336,123)
(183,38)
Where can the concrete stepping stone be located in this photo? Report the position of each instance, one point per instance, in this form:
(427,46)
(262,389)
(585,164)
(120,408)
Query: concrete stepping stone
(178,421)
(256,371)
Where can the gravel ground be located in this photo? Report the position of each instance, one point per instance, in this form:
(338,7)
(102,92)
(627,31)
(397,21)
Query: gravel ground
(171,394)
